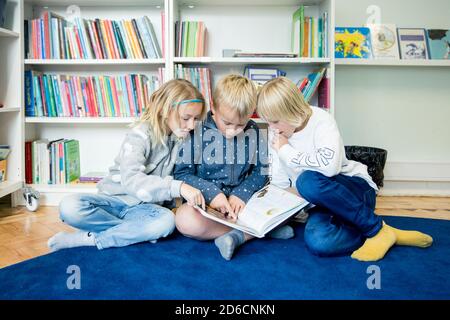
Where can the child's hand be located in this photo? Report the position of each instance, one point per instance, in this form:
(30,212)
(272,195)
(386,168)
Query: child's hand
(236,204)
(278,141)
(220,203)
(192,195)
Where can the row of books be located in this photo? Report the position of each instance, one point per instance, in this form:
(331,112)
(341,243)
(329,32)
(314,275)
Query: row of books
(56,95)
(52,162)
(54,37)
(190,38)
(309,85)
(260,75)
(386,41)
(4,152)
(316,82)
(199,77)
(309,35)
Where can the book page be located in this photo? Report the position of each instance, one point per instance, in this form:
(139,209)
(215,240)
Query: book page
(267,205)
(267,208)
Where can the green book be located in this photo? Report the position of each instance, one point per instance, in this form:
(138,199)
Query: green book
(192,39)
(72,160)
(297,34)
(185,39)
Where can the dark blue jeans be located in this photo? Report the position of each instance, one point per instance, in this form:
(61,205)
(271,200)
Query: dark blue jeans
(344,215)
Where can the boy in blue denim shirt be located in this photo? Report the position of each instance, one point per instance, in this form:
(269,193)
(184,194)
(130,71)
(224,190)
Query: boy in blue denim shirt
(225,158)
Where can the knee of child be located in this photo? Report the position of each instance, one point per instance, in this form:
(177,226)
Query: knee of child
(69,210)
(188,222)
(309,185)
(317,244)
(167,221)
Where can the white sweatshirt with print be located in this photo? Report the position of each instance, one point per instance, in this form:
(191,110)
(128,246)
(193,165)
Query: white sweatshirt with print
(318,147)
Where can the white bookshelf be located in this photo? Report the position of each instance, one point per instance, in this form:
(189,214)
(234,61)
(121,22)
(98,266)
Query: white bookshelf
(65,188)
(245,61)
(5,33)
(92,120)
(10,109)
(93,62)
(392,63)
(253,25)
(11,89)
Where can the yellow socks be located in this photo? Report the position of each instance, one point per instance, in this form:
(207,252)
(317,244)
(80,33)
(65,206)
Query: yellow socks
(376,247)
(412,238)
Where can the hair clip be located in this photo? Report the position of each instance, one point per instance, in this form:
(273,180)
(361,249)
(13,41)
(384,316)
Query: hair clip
(186,101)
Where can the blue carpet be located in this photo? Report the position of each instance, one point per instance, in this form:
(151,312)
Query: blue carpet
(181,268)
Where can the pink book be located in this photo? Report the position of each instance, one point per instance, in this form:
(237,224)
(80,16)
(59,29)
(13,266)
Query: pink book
(69,101)
(94,97)
(79,47)
(324,94)
(113,38)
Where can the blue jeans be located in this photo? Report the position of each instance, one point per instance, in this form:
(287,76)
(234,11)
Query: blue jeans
(114,223)
(344,215)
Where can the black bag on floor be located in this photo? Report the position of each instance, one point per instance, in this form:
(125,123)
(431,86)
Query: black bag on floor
(373,158)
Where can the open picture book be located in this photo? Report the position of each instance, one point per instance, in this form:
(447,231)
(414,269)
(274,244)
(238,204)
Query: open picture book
(266,209)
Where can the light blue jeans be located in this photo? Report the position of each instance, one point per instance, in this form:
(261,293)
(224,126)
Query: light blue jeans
(114,223)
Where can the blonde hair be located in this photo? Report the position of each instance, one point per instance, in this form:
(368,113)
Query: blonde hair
(237,92)
(280,99)
(162,101)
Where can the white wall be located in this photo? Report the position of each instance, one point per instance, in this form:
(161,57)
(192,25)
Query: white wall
(405,110)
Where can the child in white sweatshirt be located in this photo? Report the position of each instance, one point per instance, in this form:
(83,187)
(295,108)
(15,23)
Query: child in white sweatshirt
(307,151)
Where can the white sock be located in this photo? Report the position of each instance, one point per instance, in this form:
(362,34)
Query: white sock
(63,240)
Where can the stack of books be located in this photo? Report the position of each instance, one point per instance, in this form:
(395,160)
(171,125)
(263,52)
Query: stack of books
(199,77)
(52,162)
(92,177)
(190,39)
(309,85)
(4,152)
(260,75)
(56,95)
(309,35)
(54,37)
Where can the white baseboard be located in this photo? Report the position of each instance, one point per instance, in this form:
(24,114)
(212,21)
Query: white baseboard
(416,179)
(415,188)
(417,171)
(48,198)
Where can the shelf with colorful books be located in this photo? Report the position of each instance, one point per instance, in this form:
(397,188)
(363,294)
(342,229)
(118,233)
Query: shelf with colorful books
(238,61)
(293,36)
(95,62)
(390,46)
(11,91)
(86,32)
(59,96)
(81,120)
